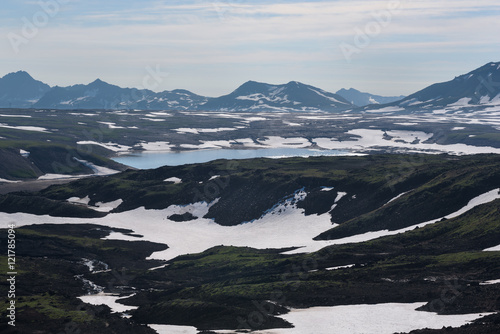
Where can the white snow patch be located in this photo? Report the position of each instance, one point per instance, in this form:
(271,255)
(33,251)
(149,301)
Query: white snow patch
(340,194)
(108,206)
(83,114)
(157,146)
(198,131)
(60,176)
(122,236)
(492,249)
(280,142)
(406,123)
(340,267)
(161,113)
(85,200)
(110,146)
(154,119)
(19,116)
(367,319)
(171,329)
(199,209)
(456,128)
(8,181)
(490,196)
(160,267)
(214,177)
(409,136)
(156,114)
(109,300)
(323,94)
(398,196)
(98,170)
(414,103)
(461,103)
(253,119)
(371,139)
(213,144)
(112,125)
(484,99)
(173,179)
(386,109)
(490,282)
(217,143)
(252,97)
(247,142)
(327,188)
(186,130)
(495,100)
(440,111)
(331,117)
(99,206)
(25,128)
(291,123)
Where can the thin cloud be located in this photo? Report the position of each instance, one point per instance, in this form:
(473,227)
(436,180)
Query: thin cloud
(243,38)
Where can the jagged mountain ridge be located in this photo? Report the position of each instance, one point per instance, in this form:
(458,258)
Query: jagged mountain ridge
(293,96)
(101,95)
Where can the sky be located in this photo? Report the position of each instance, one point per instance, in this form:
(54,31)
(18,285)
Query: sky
(388,47)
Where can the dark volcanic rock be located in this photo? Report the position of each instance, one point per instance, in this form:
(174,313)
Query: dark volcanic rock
(185,217)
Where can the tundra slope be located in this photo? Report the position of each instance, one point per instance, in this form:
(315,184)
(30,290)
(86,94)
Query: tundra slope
(221,285)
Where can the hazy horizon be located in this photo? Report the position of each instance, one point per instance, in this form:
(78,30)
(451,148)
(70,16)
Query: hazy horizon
(387,48)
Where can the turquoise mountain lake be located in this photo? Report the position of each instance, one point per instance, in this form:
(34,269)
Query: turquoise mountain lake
(149,160)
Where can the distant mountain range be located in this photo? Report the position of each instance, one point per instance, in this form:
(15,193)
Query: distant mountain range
(251,96)
(363,99)
(479,87)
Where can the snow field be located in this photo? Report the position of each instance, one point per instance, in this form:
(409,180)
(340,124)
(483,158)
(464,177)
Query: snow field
(281,226)
(353,319)
(374,139)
